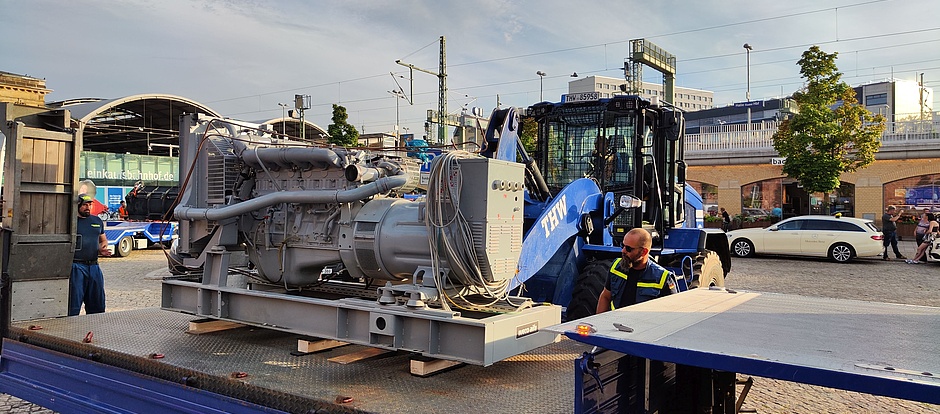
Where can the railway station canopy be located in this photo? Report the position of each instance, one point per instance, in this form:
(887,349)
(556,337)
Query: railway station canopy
(148,124)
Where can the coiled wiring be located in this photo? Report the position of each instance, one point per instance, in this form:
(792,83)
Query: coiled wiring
(450,235)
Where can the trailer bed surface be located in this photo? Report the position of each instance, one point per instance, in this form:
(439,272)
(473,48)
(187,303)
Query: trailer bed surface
(539,381)
(876,348)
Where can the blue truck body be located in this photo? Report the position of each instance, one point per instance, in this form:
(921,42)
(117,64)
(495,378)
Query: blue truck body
(126,236)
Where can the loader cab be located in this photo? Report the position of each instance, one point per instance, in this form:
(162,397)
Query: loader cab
(627,145)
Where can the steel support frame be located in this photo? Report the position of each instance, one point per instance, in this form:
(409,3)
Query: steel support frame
(67,384)
(430,332)
(602,385)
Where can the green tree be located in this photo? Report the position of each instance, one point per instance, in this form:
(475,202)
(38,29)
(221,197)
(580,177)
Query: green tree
(528,133)
(341,132)
(832,133)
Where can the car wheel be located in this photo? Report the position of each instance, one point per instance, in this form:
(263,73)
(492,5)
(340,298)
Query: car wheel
(124,246)
(841,252)
(587,288)
(742,248)
(707,271)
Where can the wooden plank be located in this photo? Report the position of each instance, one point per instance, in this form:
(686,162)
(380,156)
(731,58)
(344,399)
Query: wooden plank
(426,367)
(305,346)
(210,325)
(358,356)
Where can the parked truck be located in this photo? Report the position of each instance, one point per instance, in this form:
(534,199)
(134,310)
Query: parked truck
(127,236)
(316,242)
(307,244)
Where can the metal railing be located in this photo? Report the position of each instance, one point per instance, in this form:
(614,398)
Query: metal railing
(759,136)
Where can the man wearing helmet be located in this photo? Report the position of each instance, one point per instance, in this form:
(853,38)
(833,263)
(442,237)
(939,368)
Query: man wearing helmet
(86,284)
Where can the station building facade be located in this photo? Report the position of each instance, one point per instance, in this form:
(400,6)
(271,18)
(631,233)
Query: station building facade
(733,164)
(132,139)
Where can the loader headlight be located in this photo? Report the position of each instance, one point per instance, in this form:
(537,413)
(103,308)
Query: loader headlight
(629,201)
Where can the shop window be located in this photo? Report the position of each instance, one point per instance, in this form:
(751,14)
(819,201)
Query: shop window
(914,193)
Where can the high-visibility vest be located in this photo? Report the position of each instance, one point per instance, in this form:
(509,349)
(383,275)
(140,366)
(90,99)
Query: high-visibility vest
(648,286)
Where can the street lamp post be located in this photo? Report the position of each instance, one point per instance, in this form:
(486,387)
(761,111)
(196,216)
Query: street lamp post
(747,47)
(283,118)
(541,76)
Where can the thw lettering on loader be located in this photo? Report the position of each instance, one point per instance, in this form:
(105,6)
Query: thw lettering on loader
(550,221)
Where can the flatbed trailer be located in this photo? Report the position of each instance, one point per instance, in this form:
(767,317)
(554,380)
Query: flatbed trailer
(869,347)
(116,372)
(126,236)
(145,361)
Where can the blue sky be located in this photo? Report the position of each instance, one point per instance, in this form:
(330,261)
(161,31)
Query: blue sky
(242,58)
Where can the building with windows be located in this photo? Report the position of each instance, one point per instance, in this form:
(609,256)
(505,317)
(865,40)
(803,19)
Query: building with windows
(897,100)
(687,99)
(734,165)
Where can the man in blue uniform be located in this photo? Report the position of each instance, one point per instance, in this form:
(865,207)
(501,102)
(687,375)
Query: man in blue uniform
(647,385)
(86,284)
(634,277)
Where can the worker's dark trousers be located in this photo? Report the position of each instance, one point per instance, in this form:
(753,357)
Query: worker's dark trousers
(891,238)
(86,285)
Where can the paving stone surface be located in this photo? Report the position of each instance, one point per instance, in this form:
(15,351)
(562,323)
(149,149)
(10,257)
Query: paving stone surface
(134,282)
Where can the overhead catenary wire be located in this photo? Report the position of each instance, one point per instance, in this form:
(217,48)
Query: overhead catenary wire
(561,50)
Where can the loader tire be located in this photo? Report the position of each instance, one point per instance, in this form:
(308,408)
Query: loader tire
(587,288)
(707,271)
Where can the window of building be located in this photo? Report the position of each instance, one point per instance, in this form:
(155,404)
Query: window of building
(760,198)
(876,99)
(914,194)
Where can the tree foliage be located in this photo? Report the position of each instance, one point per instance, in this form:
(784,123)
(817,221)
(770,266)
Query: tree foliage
(832,133)
(528,133)
(341,132)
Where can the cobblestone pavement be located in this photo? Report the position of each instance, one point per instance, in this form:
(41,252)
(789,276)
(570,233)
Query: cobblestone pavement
(134,282)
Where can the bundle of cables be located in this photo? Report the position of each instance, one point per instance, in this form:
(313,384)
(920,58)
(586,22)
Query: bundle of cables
(450,237)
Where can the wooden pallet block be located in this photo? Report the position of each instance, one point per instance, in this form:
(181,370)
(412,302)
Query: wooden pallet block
(358,356)
(426,367)
(202,326)
(306,346)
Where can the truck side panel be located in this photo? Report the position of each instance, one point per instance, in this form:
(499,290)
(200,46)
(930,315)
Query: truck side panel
(38,209)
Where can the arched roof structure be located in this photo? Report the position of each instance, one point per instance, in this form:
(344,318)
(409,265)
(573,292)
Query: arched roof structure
(136,124)
(291,128)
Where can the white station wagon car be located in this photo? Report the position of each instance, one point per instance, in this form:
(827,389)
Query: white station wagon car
(839,238)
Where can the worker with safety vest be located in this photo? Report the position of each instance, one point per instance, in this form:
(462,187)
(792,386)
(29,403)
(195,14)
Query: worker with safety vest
(634,277)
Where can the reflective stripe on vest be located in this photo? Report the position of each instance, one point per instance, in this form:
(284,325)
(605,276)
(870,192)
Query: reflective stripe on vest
(659,285)
(614,270)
